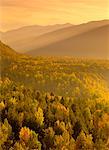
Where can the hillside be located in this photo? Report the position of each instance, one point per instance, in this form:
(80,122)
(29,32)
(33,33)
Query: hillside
(8,56)
(18,39)
(63,99)
(6,51)
(45,71)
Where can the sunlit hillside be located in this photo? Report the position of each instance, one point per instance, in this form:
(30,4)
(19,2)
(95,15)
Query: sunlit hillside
(63,99)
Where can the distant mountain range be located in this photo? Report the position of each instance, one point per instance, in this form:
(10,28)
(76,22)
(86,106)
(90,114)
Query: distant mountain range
(20,38)
(90,40)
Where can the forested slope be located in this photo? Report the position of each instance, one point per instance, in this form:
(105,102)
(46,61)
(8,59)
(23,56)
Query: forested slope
(63,99)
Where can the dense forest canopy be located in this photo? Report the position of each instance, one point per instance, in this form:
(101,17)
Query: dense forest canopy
(53,103)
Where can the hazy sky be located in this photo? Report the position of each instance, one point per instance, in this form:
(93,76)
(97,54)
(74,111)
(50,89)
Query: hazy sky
(17,13)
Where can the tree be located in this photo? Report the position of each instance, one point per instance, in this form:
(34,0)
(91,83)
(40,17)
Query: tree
(64,142)
(29,139)
(49,134)
(5,132)
(84,142)
(39,116)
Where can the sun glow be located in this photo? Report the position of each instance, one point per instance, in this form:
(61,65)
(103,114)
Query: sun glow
(16,13)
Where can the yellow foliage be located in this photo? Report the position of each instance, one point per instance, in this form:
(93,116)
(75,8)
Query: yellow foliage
(25,134)
(2,105)
(103,121)
(39,116)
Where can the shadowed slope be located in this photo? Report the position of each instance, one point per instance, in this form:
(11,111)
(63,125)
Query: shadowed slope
(63,34)
(92,44)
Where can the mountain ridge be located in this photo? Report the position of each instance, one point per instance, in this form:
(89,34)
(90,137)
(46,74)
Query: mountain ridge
(64,33)
(71,46)
(15,37)
(30,39)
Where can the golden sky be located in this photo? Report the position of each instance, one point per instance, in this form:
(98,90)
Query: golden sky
(17,13)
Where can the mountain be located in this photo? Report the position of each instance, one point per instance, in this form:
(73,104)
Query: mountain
(62,34)
(85,40)
(34,37)
(19,38)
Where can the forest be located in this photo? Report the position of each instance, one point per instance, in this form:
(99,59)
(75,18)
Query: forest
(53,103)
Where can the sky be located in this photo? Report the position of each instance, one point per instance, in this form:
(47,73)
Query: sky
(18,13)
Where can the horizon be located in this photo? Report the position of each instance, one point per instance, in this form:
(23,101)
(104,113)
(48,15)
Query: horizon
(17,13)
(32,25)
